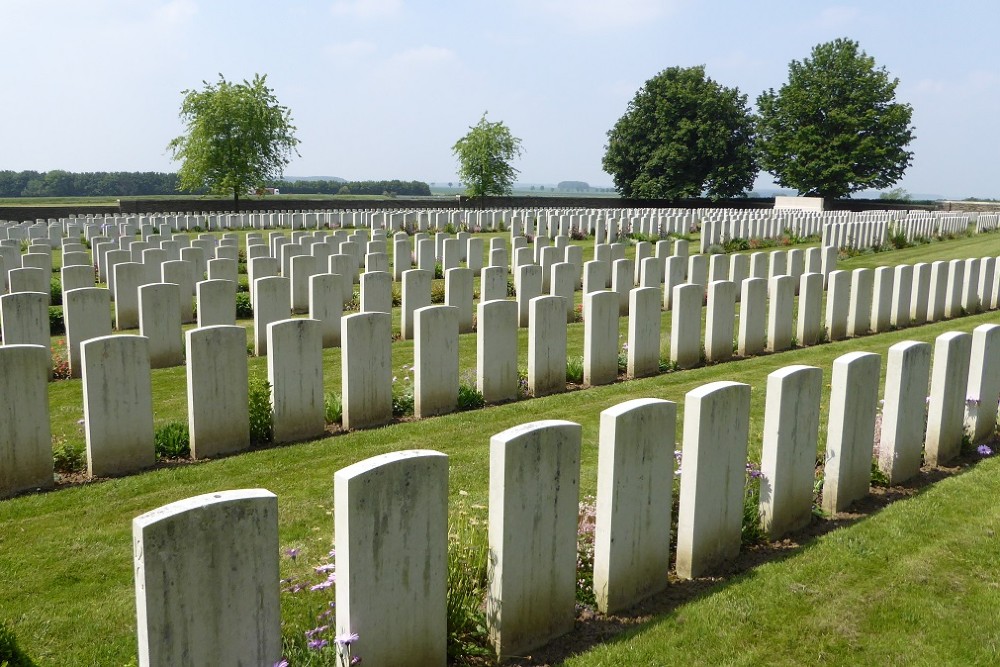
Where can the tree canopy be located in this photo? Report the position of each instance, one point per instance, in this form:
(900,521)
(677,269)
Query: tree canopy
(484,159)
(683,135)
(237,137)
(835,127)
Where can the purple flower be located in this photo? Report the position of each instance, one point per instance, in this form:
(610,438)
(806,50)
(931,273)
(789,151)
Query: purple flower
(355,659)
(323,585)
(292,553)
(281,663)
(984,450)
(317,644)
(346,638)
(328,567)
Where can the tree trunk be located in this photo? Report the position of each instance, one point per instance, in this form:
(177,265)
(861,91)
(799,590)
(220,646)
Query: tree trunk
(236,198)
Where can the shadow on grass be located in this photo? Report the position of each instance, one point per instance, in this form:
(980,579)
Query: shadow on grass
(593,629)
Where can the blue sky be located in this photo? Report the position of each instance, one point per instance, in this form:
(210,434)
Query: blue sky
(383,88)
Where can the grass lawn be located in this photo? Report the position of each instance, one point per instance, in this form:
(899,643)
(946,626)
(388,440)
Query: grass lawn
(919,573)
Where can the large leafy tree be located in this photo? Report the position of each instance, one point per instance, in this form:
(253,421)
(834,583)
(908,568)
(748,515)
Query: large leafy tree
(835,127)
(484,159)
(237,137)
(683,135)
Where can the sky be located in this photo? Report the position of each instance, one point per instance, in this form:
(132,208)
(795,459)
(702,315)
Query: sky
(382,89)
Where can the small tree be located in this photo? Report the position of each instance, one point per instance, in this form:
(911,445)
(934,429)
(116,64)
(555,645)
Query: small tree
(484,159)
(835,128)
(237,137)
(682,135)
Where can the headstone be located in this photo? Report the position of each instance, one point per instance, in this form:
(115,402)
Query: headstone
(720,321)
(634,486)
(547,345)
(366,369)
(391,528)
(217,390)
(710,518)
(644,332)
(600,338)
(496,350)
(685,327)
(809,325)
(435,355)
(216,303)
(295,371)
(128,277)
(458,294)
(984,383)
(529,286)
(534,491)
(788,457)
(859,316)
(273,304)
(160,324)
(24,319)
(117,405)
(25,435)
(901,438)
(837,304)
(946,407)
(206,580)
(781,299)
(326,305)
(850,430)
(87,315)
(751,337)
(376,292)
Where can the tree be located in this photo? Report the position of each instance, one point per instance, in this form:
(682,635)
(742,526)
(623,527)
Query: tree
(238,137)
(484,156)
(835,128)
(682,135)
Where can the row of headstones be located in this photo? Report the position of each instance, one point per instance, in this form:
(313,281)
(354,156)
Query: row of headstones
(366,382)
(391,581)
(987,222)
(868,234)
(717,232)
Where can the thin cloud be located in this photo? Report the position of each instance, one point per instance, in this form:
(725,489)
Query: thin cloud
(367,9)
(837,17)
(602,15)
(175,12)
(423,56)
(357,48)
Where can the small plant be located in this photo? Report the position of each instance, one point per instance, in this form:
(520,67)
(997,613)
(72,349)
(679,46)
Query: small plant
(438,271)
(318,645)
(261,412)
(752,530)
(468,559)
(244,309)
(574,370)
(469,397)
(716,249)
(523,390)
(623,359)
(437,292)
(55,292)
(69,456)
(60,361)
(585,527)
(449,228)
(333,409)
(57,326)
(402,392)
(172,441)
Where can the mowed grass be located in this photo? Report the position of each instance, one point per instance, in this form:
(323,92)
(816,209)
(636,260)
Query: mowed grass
(66,563)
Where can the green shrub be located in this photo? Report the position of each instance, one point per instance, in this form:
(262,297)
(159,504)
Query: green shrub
(243,281)
(438,271)
(55,291)
(172,441)
(574,370)
(11,654)
(244,310)
(752,530)
(333,409)
(716,249)
(437,291)
(468,560)
(469,397)
(261,413)
(69,456)
(57,326)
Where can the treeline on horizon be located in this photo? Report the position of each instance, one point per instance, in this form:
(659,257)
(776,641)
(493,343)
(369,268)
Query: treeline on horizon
(59,183)
(321,187)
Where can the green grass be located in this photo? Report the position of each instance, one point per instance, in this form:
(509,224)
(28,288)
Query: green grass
(65,556)
(66,584)
(914,584)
